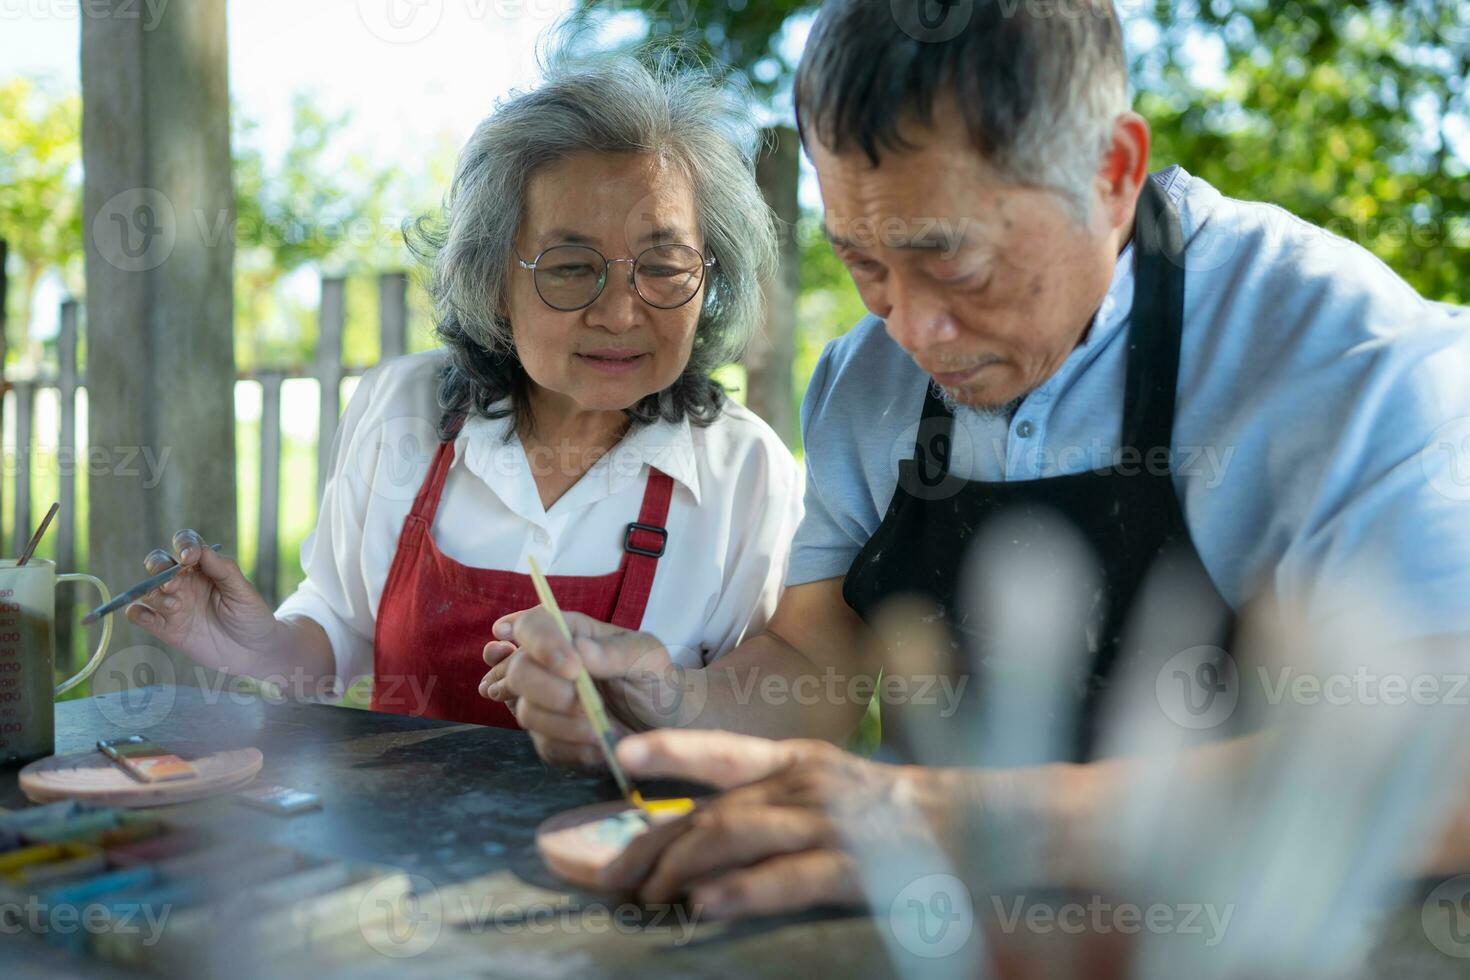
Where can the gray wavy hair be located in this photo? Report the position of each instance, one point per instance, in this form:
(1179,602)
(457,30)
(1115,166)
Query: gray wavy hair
(613,104)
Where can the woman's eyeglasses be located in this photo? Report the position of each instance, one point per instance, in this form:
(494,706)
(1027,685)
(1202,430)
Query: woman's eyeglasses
(571,277)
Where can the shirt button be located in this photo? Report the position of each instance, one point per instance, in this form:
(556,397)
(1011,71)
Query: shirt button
(542,537)
(1025,429)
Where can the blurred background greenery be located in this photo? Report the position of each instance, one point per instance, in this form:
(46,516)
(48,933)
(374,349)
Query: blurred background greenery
(1352,114)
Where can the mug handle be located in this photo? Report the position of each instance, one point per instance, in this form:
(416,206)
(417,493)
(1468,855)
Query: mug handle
(101,651)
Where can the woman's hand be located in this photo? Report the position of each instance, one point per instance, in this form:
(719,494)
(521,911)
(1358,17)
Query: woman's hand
(209,610)
(534,669)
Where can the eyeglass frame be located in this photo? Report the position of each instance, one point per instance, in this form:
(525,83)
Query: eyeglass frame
(706,262)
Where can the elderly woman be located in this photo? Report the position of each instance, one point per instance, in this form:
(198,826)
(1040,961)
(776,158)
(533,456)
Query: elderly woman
(601,253)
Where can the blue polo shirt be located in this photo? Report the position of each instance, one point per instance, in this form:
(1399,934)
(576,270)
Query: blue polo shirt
(1322,426)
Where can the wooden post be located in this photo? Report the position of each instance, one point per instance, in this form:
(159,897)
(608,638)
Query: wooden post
(66,469)
(329,374)
(25,401)
(392,315)
(158,214)
(267,549)
(770,392)
(4,347)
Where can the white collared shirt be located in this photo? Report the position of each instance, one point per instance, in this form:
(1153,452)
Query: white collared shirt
(736,506)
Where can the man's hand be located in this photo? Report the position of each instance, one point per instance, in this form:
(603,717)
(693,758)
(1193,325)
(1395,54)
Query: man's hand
(772,843)
(534,669)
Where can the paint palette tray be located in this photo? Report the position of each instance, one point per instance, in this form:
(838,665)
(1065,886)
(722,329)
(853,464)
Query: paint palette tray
(130,888)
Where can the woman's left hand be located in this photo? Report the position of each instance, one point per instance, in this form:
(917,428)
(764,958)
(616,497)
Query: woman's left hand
(497,658)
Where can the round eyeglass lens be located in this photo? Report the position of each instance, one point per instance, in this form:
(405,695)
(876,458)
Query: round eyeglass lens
(668,275)
(568,277)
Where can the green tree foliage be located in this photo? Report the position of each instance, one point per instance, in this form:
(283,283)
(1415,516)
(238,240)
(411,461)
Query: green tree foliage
(739,33)
(1344,112)
(40,188)
(314,209)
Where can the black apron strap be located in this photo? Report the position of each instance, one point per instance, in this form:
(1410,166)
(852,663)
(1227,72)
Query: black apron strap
(1157,323)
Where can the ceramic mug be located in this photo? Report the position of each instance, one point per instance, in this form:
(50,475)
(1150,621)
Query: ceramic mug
(28,657)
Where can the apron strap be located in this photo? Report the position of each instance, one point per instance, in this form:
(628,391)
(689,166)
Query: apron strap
(1157,323)
(934,443)
(644,542)
(426,504)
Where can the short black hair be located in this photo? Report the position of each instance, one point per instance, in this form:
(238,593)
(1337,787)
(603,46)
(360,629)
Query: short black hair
(1010,65)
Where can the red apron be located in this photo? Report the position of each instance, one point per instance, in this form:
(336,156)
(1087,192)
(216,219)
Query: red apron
(435,614)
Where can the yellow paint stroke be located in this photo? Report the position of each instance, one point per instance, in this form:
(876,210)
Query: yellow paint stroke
(663,808)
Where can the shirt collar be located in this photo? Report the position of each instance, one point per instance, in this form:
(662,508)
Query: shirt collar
(1118,303)
(492,450)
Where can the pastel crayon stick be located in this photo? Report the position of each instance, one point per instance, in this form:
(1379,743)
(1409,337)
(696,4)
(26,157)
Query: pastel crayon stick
(156,902)
(35,853)
(205,861)
(128,833)
(157,848)
(73,861)
(46,813)
(83,893)
(71,829)
(88,889)
(304,884)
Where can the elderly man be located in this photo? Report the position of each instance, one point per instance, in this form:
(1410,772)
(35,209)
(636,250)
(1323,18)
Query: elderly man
(1201,387)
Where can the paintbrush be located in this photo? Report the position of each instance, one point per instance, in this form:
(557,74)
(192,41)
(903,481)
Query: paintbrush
(591,700)
(136,592)
(25,556)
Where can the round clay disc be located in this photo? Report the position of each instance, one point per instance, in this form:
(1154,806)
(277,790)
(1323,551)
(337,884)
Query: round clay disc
(578,844)
(94,778)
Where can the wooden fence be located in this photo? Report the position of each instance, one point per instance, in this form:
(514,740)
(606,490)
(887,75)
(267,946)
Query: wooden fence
(327,369)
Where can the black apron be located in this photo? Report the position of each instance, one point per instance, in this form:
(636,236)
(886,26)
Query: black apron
(1128,512)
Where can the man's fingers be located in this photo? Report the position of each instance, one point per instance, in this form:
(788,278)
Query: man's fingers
(723,838)
(633,866)
(722,759)
(788,883)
